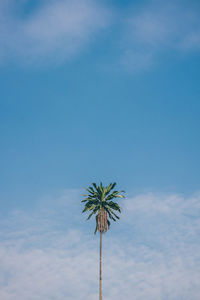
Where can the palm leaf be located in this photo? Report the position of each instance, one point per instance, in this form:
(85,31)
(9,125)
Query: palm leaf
(109,214)
(96,225)
(113,205)
(112,212)
(92,213)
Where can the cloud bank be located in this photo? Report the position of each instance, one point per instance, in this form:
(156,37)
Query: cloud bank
(55,31)
(153,252)
(157,28)
(51,31)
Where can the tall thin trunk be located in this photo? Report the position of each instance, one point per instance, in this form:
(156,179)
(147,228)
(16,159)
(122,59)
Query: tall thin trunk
(100,268)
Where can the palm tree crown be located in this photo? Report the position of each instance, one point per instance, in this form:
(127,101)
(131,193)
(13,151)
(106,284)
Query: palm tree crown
(99,203)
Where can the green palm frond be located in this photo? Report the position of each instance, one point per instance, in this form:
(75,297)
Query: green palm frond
(113,205)
(108,224)
(112,212)
(110,215)
(93,212)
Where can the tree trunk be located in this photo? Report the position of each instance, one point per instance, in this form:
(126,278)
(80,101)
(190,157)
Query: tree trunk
(100,268)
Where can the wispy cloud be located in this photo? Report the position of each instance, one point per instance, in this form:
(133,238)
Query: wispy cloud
(156,28)
(55,31)
(52,31)
(153,251)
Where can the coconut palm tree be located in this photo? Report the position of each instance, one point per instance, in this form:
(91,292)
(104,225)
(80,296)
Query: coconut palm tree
(99,203)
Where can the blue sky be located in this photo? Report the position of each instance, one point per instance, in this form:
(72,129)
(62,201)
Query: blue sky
(100,91)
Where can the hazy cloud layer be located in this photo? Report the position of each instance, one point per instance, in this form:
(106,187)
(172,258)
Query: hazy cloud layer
(52,31)
(153,252)
(55,31)
(159,27)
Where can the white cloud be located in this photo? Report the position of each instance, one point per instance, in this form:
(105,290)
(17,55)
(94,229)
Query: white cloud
(156,28)
(153,252)
(53,31)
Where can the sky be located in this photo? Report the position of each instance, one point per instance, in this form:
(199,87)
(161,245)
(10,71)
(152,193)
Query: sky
(96,91)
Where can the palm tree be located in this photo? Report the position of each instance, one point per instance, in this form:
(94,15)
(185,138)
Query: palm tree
(99,203)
